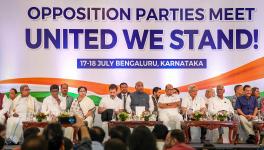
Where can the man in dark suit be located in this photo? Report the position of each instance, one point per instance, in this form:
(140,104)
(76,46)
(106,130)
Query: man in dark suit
(124,94)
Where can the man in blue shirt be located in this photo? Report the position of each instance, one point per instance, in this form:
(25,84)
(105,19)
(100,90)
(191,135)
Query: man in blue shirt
(247,109)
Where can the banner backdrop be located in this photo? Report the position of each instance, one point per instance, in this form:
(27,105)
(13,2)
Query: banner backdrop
(96,43)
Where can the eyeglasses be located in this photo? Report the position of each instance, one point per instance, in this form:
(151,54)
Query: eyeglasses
(82,91)
(26,90)
(170,89)
(55,91)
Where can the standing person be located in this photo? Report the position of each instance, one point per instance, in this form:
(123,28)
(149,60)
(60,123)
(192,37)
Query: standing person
(124,95)
(154,100)
(66,96)
(83,106)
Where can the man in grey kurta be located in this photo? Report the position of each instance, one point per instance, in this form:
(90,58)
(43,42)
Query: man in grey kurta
(138,98)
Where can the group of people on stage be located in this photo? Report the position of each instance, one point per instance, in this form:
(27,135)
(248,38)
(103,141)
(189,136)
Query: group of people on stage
(169,107)
(18,108)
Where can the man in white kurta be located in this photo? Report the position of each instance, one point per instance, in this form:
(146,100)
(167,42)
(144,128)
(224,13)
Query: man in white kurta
(220,104)
(168,109)
(6,104)
(193,103)
(54,104)
(209,94)
(111,101)
(23,106)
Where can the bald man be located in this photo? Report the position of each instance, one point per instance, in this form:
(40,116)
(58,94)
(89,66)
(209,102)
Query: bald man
(220,104)
(138,99)
(169,108)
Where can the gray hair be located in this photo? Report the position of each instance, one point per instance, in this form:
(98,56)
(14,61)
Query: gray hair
(168,85)
(192,87)
(209,90)
(22,87)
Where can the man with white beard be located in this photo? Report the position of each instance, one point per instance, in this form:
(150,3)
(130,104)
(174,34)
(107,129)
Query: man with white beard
(23,106)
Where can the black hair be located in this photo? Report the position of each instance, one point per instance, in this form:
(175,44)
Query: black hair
(97,134)
(155,89)
(68,145)
(236,87)
(54,135)
(123,83)
(178,135)
(2,142)
(82,87)
(34,143)
(54,87)
(254,89)
(160,131)
(246,86)
(14,90)
(112,87)
(32,131)
(115,144)
(142,139)
(120,132)
(177,90)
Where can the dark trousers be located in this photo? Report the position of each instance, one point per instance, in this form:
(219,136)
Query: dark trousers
(203,133)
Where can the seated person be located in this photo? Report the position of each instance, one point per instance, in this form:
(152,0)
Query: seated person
(83,106)
(220,104)
(247,109)
(169,109)
(110,105)
(138,99)
(193,103)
